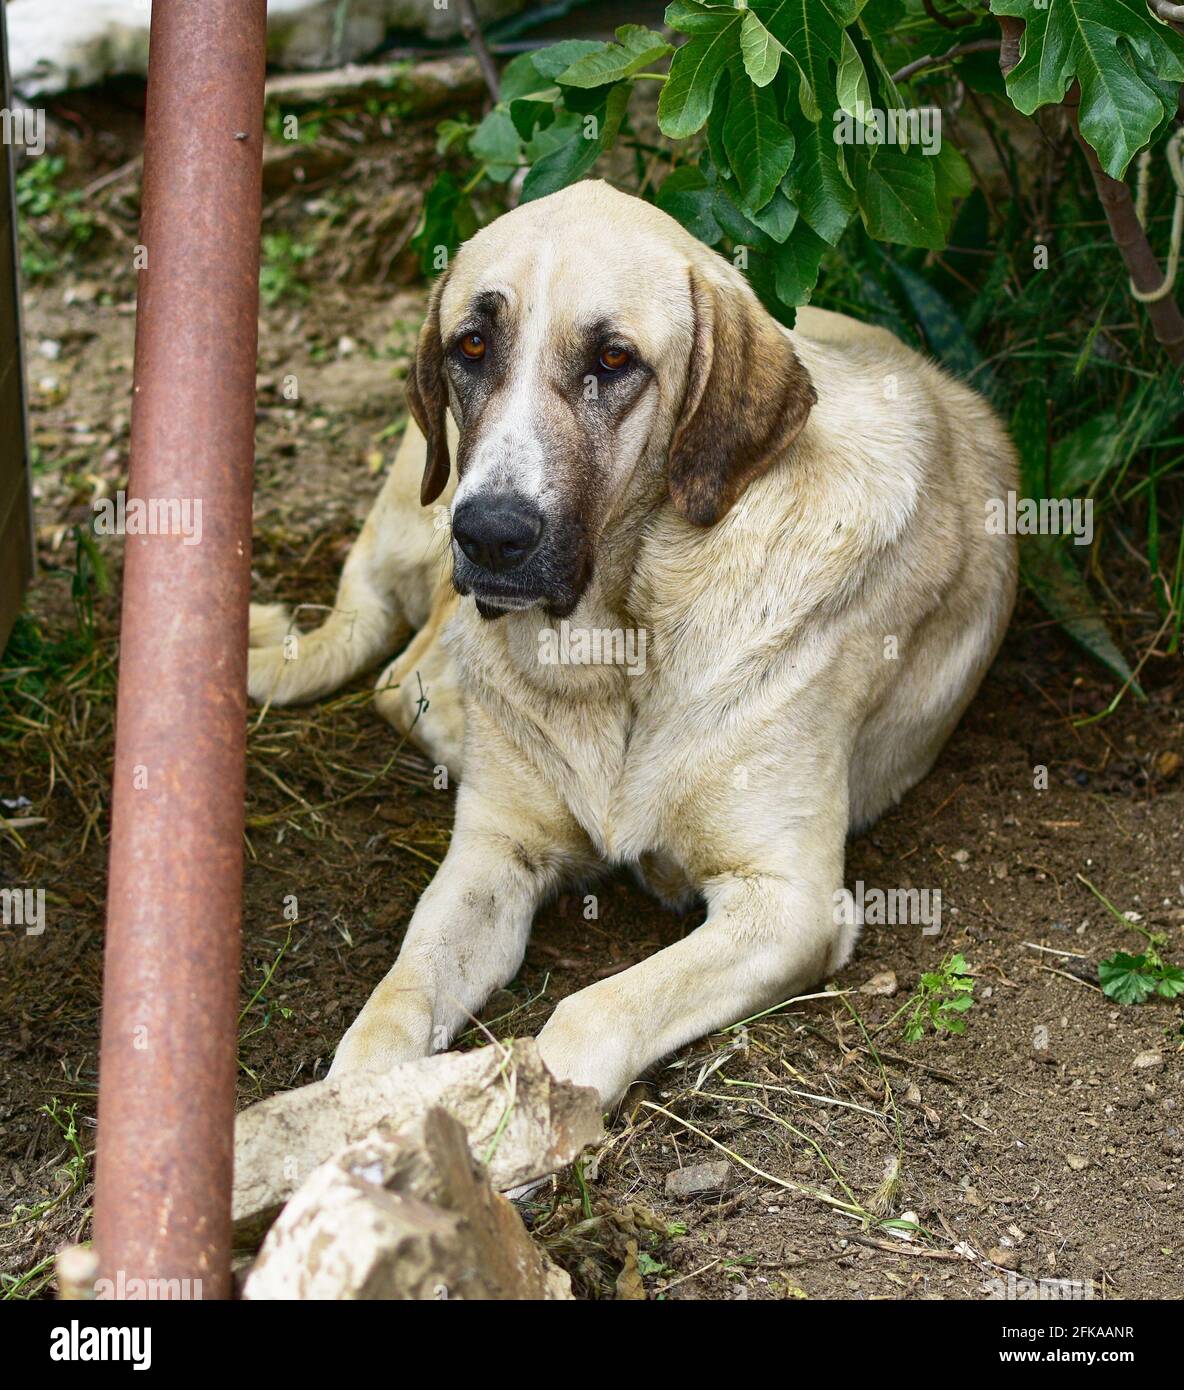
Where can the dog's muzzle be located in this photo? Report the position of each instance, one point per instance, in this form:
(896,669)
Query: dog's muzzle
(495,539)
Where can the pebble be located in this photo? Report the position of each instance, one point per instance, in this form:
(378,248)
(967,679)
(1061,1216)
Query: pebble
(699,1177)
(1168,764)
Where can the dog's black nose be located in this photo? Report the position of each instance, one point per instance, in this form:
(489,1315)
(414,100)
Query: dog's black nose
(498,535)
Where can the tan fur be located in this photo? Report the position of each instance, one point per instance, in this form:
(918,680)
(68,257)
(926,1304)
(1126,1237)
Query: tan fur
(770,718)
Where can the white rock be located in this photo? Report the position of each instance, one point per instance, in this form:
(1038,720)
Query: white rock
(56,45)
(522,1122)
(403,1214)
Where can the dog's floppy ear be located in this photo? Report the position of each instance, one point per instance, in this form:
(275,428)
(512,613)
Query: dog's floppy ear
(428,400)
(747,397)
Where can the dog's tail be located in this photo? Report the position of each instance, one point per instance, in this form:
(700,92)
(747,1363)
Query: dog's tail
(289,667)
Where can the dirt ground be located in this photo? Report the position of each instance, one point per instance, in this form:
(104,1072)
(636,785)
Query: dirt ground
(1047,1140)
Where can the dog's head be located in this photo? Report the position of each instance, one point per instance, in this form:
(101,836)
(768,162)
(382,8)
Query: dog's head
(579,339)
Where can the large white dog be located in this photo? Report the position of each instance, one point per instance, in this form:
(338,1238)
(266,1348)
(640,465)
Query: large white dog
(701,596)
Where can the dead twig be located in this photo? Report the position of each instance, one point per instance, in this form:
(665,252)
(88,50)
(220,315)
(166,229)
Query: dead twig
(470,27)
(936,60)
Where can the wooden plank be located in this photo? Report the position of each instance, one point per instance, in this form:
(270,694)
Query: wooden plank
(16,521)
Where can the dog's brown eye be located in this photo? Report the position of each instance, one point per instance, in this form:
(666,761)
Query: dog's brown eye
(473,346)
(613,359)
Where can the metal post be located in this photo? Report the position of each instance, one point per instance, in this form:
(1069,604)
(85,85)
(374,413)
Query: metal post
(170,986)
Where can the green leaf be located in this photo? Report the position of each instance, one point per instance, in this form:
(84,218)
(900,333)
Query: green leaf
(690,17)
(1050,572)
(715,127)
(760,50)
(778,217)
(897,197)
(550,62)
(1126,979)
(759,147)
(615,107)
(519,78)
(951,179)
(1108,440)
(527,114)
(816,183)
(565,126)
(496,144)
(795,265)
(811,32)
(1171,982)
(689,91)
(1115,50)
(447,220)
(688,197)
(851,84)
(565,165)
(637,48)
(736,223)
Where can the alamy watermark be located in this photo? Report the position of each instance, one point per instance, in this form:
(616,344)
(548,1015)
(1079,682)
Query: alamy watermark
(123,1289)
(1016,1287)
(24,126)
(81,1342)
(911,907)
(149,516)
(23,907)
(1043,516)
(903,126)
(593,646)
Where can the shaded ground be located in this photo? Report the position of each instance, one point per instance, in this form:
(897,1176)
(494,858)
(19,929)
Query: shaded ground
(1033,1140)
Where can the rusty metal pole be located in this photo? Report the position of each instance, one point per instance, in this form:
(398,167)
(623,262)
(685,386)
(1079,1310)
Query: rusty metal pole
(170,984)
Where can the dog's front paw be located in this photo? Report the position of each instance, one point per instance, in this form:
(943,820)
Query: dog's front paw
(576,1046)
(381,1038)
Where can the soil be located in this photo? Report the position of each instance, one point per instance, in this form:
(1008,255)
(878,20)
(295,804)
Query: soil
(1045,1140)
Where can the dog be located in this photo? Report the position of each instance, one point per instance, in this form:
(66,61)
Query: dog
(791,526)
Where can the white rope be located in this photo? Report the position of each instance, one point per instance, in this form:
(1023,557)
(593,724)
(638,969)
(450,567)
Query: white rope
(1141,197)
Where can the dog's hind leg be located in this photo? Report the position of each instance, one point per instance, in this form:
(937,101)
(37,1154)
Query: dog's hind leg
(386,591)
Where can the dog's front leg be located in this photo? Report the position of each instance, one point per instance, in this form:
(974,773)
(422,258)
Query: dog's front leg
(469,931)
(767,937)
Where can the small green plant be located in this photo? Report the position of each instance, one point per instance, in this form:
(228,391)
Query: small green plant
(74,1169)
(279,273)
(941,1000)
(1131,979)
(66,226)
(34,666)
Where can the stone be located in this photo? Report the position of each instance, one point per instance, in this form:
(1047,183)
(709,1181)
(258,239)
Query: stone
(1167,765)
(698,1178)
(403,1214)
(522,1122)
